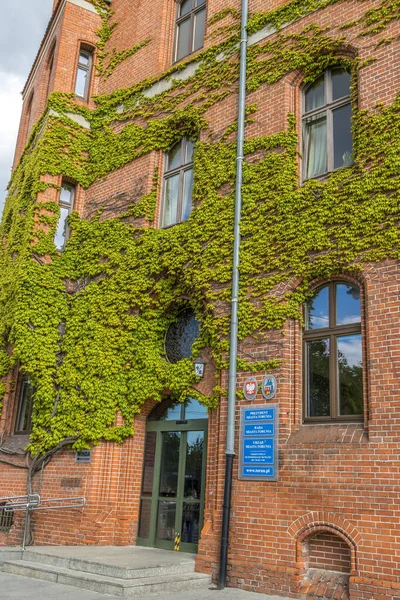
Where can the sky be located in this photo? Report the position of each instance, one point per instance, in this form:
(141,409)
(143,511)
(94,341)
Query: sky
(23,23)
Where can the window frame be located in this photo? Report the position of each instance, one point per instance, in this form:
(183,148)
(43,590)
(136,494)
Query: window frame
(168,173)
(22,406)
(70,207)
(87,68)
(191,15)
(333,332)
(325,110)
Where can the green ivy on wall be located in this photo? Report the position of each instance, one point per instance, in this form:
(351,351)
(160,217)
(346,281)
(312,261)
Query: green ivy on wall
(88,325)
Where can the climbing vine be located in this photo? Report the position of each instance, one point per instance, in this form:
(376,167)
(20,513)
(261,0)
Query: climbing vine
(88,325)
(109,60)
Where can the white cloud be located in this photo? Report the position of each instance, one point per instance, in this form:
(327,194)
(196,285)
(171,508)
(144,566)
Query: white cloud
(10,111)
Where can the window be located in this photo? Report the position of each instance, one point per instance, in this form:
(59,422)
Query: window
(181,336)
(333,353)
(50,64)
(67,196)
(327,140)
(25,406)
(83,73)
(178,183)
(190,27)
(6,518)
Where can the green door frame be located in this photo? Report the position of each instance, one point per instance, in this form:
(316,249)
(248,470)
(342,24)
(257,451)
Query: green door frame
(184,427)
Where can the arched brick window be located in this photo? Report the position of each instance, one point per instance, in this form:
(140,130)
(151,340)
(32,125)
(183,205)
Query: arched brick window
(66,202)
(84,72)
(178,183)
(333,357)
(190,27)
(326,124)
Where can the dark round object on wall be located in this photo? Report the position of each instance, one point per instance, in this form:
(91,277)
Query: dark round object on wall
(181,336)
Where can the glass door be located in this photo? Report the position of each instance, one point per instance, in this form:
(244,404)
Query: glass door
(172,498)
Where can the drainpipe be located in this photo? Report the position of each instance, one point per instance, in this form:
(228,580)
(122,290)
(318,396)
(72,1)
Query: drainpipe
(230,433)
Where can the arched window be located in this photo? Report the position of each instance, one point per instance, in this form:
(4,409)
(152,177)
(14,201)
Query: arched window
(190,27)
(178,183)
(84,72)
(50,65)
(333,359)
(67,197)
(181,336)
(26,391)
(327,140)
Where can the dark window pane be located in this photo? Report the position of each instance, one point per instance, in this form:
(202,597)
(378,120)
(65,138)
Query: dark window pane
(174,157)
(190,522)
(318,400)
(187,194)
(195,410)
(80,85)
(194,464)
(315,135)
(340,84)
(148,467)
(25,406)
(181,336)
(186,7)
(171,413)
(183,48)
(189,151)
(342,141)
(200,2)
(317,310)
(199,29)
(315,95)
(166,520)
(61,232)
(348,308)
(170,215)
(144,521)
(350,374)
(169,463)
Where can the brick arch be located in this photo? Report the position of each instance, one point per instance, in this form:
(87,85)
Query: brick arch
(313,523)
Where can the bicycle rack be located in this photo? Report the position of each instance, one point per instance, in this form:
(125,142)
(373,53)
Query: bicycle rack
(33,502)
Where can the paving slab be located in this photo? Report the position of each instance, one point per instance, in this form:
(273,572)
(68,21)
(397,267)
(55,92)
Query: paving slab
(15,587)
(136,557)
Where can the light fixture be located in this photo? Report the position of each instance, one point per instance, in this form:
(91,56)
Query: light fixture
(199,367)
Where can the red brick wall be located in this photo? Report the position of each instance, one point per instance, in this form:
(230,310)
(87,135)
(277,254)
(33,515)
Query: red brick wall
(337,483)
(328,551)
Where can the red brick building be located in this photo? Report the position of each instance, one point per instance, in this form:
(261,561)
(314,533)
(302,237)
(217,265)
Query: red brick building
(328,526)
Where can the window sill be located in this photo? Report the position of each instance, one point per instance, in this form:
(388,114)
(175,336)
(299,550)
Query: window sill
(324,176)
(17,443)
(329,433)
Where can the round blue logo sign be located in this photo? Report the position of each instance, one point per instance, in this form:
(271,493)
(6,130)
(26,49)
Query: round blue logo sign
(268,388)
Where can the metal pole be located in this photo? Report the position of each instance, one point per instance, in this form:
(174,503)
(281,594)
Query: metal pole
(26,526)
(230,432)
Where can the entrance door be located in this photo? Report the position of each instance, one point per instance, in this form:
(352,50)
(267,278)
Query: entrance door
(172,498)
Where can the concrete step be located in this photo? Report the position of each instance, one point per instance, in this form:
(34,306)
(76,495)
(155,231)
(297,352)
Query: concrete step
(136,570)
(123,588)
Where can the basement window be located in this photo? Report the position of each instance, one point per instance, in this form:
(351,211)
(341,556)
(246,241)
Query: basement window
(6,519)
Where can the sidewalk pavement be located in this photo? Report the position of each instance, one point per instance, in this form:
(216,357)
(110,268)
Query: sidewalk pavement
(15,587)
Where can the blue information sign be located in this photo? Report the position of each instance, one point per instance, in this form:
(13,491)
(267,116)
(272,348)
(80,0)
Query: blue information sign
(259,429)
(260,414)
(258,443)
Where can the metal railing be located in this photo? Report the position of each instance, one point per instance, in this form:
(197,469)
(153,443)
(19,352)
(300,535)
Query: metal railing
(33,502)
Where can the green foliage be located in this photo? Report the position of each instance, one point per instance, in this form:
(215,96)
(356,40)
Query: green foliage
(88,324)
